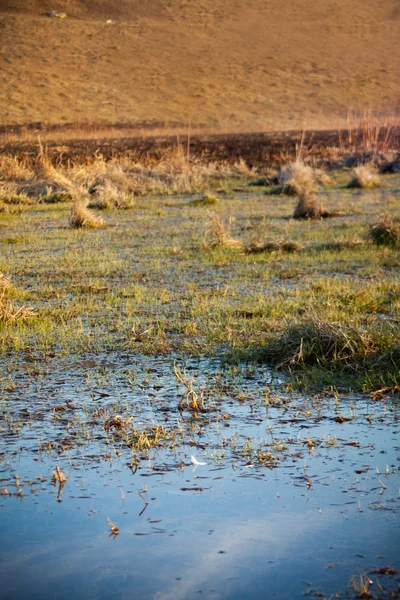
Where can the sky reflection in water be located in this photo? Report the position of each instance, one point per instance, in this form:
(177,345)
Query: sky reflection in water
(251,532)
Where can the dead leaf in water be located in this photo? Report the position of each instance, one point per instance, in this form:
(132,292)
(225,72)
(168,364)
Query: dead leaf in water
(341,419)
(114,530)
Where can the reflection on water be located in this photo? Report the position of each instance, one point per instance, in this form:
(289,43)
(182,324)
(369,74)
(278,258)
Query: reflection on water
(296,496)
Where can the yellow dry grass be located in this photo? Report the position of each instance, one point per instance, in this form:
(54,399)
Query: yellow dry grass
(217,235)
(82,217)
(365,177)
(218,67)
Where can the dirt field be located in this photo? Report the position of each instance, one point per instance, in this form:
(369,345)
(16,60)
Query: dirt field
(328,148)
(227,64)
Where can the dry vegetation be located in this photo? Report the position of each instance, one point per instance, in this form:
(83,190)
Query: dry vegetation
(9,313)
(286,72)
(114,183)
(297,178)
(217,234)
(365,177)
(308,207)
(386,232)
(83,217)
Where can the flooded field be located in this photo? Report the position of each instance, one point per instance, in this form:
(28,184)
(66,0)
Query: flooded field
(199,380)
(142,477)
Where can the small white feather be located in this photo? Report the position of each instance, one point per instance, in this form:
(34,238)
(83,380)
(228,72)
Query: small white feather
(196,462)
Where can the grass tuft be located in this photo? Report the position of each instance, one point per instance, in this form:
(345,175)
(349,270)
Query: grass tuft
(13,198)
(385,232)
(364,177)
(83,217)
(9,313)
(332,350)
(206,200)
(217,235)
(57,197)
(109,196)
(297,178)
(258,246)
(308,207)
(315,342)
(5,284)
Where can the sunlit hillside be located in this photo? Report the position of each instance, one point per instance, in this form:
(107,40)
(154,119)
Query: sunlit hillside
(230,64)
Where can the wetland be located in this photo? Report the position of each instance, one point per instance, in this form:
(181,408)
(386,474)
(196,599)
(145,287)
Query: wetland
(200,394)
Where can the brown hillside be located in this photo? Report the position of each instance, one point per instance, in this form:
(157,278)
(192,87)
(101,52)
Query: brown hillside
(231,64)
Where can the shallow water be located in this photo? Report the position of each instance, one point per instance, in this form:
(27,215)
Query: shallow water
(297,494)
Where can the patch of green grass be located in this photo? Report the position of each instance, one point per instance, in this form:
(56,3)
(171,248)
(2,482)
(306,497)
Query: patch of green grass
(206,200)
(148,284)
(330,353)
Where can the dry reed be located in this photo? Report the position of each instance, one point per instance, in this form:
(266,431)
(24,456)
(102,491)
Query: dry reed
(217,235)
(82,217)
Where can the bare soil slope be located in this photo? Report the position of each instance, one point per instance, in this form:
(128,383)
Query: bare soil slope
(231,64)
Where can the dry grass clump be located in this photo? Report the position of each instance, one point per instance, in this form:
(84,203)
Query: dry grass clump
(297,178)
(82,217)
(217,235)
(57,197)
(339,245)
(364,177)
(258,246)
(308,207)
(5,284)
(9,195)
(14,169)
(322,178)
(171,173)
(9,313)
(385,232)
(242,168)
(109,196)
(120,176)
(317,342)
